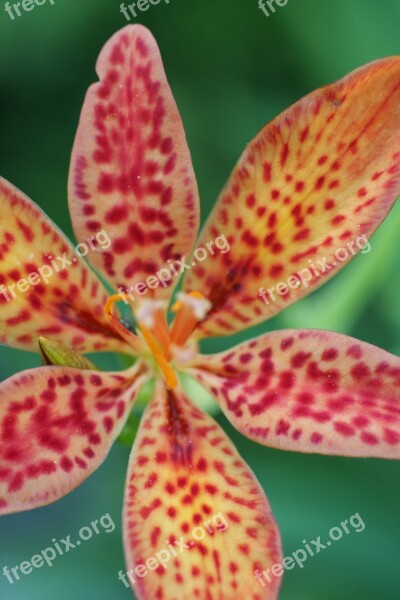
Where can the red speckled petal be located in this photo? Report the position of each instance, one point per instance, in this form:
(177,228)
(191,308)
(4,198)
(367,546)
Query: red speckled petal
(131,170)
(186,483)
(56,427)
(69,307)
(320,176)
(309,391)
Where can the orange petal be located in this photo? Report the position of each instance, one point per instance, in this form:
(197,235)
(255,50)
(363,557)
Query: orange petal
(69,306)
(309,391)
(191,499)
(57,425)
(318,178)
(131,170)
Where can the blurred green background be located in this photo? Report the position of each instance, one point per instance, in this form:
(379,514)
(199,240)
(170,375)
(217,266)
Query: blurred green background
(231,69)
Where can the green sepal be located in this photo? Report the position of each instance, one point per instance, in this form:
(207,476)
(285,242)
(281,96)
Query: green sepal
(56,353)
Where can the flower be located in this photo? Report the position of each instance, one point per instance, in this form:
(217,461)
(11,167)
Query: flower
(323,172)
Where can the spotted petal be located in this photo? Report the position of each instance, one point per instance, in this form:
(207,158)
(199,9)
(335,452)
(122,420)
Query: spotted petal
(309,391)
(56,427)
(306,190)
(191,499)
(131,171)
(45,289)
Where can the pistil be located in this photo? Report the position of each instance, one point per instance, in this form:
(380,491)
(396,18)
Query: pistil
(189,310)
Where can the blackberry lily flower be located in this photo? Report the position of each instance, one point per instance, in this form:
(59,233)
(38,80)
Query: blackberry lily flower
(323,172)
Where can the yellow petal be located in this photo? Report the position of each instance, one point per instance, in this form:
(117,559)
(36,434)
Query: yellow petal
(195,516)
(131,171)
(45,288)
(306,195)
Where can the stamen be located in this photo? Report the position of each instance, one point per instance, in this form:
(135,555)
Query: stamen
(191,309)
(133,340)
(166,368)
(151,314)
(163,334)
(152,319)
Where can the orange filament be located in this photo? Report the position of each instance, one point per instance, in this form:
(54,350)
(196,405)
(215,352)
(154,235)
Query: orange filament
(158,354)
(132,339)
(185,321)
(161,332)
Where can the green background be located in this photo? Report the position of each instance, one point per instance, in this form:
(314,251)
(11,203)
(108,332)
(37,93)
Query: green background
(231,69)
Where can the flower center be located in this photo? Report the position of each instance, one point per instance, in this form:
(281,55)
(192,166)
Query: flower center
(154,334)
